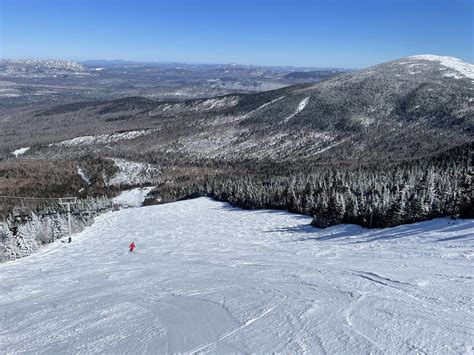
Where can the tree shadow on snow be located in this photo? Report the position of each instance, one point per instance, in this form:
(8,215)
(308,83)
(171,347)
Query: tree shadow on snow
(464,238)
(331,233)
(302,228)
(363,235)
(229,207)
(421,229)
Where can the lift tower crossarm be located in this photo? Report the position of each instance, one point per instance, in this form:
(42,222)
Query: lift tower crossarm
(68,201)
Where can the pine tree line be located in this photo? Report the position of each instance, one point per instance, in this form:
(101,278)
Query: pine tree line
(370,197)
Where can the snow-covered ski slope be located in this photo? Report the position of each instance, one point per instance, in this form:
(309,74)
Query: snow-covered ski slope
(209,278)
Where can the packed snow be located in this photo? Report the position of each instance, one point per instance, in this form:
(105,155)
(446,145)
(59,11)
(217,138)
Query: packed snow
(458,67)
(102,138)
(20,151)
(132,198)
(210,278)
(133,173)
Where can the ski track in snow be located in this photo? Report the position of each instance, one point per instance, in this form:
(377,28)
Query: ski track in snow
(209,278)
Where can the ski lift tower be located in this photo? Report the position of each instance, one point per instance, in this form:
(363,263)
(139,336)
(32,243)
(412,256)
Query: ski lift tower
(68,201)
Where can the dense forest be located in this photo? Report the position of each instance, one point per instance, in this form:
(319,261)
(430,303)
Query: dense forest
(380,196)
(52,179)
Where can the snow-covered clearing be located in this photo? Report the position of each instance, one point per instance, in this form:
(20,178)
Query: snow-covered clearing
(133,173)
(102,138)
(202,105)
(83,175)
(214,103)
(20,151)
(302,104)
(133,197)
(301,107)
(207,277)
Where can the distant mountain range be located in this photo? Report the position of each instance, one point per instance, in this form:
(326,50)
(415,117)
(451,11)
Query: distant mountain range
(201,66)
(53,82)
(12,66)
(398,110)
(36,66)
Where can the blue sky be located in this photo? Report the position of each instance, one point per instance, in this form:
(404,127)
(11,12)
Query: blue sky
(337,33)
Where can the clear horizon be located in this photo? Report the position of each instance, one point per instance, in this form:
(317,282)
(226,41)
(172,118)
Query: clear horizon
(338,33)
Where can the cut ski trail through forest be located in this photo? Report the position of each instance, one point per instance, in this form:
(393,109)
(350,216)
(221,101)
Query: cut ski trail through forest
(210,278)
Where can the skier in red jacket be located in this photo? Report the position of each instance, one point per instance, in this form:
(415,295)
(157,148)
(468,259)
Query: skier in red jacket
(132,247)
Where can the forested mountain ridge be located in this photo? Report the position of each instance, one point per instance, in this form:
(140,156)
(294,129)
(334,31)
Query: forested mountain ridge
(414,106)
(375,196)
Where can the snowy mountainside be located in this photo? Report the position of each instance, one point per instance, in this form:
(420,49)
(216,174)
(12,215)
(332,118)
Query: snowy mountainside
(101,139)
(207,277)
(414,106)
(200,105)
(457,67)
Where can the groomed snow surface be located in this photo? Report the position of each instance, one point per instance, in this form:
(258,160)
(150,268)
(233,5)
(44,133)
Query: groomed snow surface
(209,278)
(132,198)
